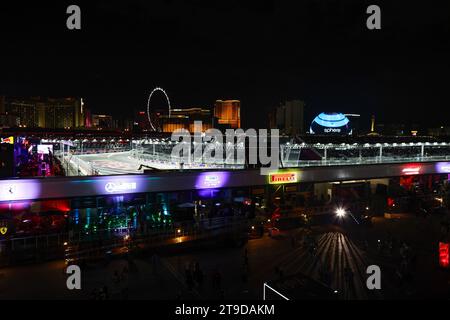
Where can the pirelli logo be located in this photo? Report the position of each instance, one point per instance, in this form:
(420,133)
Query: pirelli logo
(285,177)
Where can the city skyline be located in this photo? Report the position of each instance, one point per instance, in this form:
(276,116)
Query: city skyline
(290,116)
(320,53)
(240,151)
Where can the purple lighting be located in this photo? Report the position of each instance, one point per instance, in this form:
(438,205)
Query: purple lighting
(443,167)
(208,193)
(13,190)
(119,185)
(209,180)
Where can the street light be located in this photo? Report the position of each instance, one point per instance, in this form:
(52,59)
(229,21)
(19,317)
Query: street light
(340,212)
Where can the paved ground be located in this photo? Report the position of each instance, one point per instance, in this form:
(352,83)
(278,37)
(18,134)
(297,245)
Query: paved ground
(107,163)
(334,252)
(337,247)
(48,281)
(163,279)
(422,235)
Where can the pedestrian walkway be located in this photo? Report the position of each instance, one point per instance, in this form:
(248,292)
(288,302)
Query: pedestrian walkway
(335,261)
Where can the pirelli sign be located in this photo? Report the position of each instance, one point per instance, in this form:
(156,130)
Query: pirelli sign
(283,177)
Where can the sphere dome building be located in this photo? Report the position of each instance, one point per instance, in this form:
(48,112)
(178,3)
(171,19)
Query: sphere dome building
(331,123)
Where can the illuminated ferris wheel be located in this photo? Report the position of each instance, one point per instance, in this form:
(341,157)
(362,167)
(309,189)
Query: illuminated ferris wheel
(148,104)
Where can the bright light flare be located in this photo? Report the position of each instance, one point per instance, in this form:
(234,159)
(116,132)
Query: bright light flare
(340,212)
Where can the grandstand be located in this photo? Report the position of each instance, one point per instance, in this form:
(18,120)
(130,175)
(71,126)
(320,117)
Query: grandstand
(121,156)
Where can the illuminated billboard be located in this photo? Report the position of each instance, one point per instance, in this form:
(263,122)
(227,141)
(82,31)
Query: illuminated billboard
(283,177)
(208,180)
(114,187)
(443,167)
(13,190)
(411,170)
(330,124)
(444,254)
(8,140)
(44,148)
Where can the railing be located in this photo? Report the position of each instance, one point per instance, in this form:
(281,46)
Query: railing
(80,244)
(167,160)
(204,229)
(76,165)
(361,161)
(99,151)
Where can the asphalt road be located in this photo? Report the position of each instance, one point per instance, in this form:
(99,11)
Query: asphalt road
(337,248)
(124,163)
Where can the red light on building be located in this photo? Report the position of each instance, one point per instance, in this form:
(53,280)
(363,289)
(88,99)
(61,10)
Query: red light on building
(390,202)
(411,170)
(444,254)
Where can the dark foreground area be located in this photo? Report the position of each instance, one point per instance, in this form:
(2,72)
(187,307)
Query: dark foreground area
(322,262)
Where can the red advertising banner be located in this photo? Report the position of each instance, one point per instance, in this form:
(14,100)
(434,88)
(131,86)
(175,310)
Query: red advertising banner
(444,254)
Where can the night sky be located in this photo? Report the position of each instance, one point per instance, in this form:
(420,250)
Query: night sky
(261,52)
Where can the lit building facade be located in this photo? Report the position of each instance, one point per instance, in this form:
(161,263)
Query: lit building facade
(442,131)
(103,121)
(228,113)
(48,113)
(87,118)
(289,117)
(185,118)
(8,120)
(25,110)
(141,122)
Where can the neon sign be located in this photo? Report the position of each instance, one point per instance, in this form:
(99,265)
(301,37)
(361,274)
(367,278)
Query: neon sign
(208,180)
(113,187)
(443,167)
(9,140)
(285,177)
(411,170)
(13,190)
(444,254)
(211,181)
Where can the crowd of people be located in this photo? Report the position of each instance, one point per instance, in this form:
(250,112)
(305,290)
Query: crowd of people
(334,153)
(40,165)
